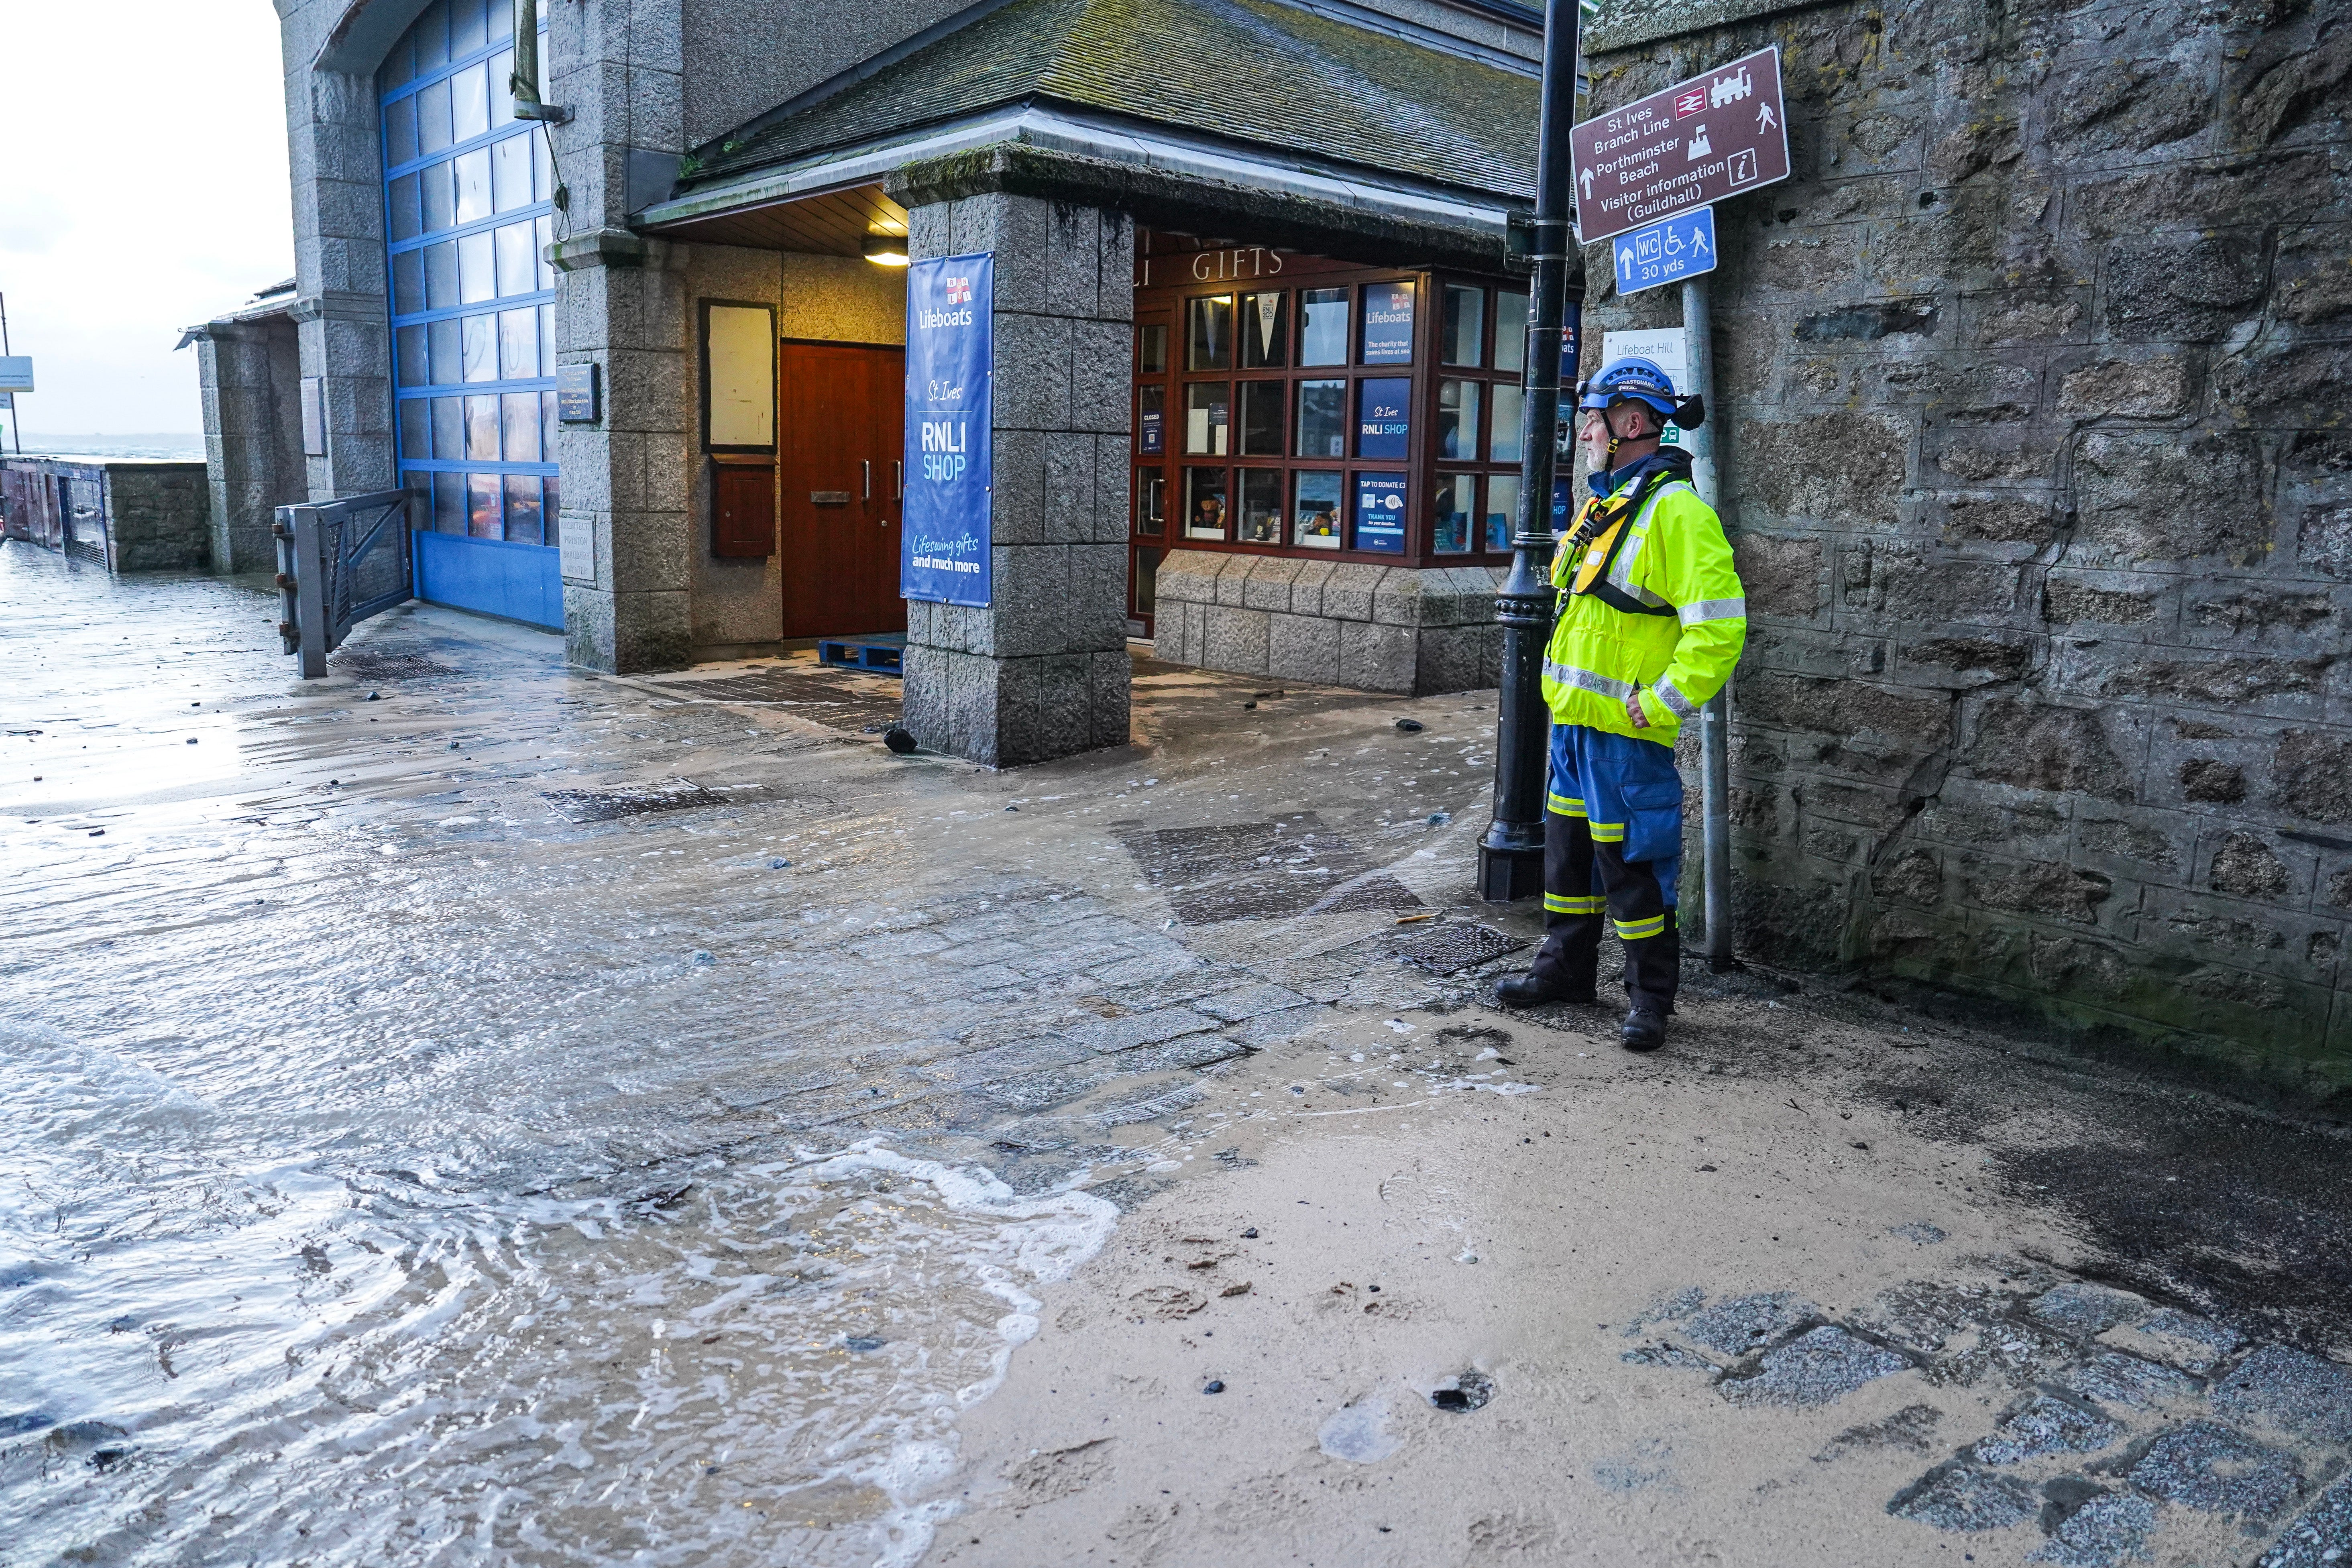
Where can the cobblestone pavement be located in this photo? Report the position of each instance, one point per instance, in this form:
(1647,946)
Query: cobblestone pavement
(461,1109)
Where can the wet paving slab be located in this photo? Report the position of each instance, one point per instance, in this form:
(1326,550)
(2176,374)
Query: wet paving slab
(463,1105)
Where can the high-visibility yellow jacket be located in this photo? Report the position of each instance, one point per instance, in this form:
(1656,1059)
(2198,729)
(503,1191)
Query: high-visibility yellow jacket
(1670,558)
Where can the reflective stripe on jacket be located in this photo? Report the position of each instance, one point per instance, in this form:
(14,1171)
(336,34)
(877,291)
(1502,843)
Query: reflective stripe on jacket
(1675,555)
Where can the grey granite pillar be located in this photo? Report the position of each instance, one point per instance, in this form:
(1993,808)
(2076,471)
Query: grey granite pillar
(249,372)
(628,477)
(1041,671)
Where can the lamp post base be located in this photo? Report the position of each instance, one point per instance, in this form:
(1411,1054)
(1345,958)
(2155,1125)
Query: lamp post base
(1506,875)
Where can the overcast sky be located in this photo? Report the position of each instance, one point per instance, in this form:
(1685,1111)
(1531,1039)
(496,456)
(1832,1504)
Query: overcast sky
(143,189)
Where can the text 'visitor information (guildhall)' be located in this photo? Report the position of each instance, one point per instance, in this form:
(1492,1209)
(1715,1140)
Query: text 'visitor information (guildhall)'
(1696,143)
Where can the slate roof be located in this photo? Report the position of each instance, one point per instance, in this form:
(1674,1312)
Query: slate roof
(1252,70)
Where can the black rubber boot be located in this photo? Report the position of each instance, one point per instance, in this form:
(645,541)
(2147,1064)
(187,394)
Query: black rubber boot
(1644,1030)
(1534,991)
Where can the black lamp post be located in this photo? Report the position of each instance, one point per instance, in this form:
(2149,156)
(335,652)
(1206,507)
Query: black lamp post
(1510,857)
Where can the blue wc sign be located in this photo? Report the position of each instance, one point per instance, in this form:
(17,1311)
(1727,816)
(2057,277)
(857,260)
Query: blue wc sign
(943,546)
(1666,252)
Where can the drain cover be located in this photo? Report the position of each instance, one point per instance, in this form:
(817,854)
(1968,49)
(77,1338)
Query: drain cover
(1449,949)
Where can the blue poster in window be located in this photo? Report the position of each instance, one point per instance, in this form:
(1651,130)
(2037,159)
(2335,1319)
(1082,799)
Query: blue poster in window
(1380,512)
(1383,417)
(1388,323)
(950,358)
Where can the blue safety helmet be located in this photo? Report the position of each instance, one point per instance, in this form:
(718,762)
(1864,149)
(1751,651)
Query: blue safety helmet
(1633,377)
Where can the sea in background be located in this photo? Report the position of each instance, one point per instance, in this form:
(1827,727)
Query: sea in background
(159,444)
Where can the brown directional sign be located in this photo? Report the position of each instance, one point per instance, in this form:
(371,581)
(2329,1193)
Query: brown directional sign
(1716,135)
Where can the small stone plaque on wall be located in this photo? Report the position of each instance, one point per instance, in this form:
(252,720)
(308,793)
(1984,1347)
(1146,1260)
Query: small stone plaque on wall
(576,537)
(576,397)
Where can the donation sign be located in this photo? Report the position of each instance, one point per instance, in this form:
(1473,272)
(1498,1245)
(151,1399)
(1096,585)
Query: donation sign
(1697,142)
(950,357)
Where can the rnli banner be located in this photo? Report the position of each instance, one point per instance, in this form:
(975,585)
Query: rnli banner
(950,358)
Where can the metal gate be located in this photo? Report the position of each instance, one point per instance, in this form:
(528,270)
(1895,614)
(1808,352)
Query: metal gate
(338,563)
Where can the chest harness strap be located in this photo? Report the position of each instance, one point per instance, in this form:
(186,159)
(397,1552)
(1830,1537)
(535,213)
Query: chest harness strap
(1602,527)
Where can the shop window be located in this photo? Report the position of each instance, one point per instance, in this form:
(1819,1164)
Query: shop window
(1502,509)
(1454,514)
(1261,516)
(1384,418)
(1461,337)
(1261,421)
(1511,330)
(1152,419)
(1315,510)
(1204,503)
(1209,333)
(1151,502)
(1323,327)
(1457,420)
(1380,512)
(1283,447)
(1207,418)
(1388,323)
(1265,330)
(1322,419)
(1503,429)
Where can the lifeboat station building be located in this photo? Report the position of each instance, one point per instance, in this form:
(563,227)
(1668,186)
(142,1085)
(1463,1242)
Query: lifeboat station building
(643,368)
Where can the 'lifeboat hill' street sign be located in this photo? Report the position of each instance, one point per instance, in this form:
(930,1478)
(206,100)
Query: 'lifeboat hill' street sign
(1717,135)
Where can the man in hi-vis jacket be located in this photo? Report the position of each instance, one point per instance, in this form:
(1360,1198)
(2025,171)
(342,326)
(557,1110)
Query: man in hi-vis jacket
(1651,618)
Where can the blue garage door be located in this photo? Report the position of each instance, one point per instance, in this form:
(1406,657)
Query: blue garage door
(467,199)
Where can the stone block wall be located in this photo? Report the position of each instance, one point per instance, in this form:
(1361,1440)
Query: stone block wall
(1332,622)
(1041,671)
(158,517)
(2030,384)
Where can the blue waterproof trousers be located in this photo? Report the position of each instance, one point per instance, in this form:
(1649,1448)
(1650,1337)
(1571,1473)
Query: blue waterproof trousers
(1613,847)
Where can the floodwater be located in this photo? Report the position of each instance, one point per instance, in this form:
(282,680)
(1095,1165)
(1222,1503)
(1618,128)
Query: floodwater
(521,1117)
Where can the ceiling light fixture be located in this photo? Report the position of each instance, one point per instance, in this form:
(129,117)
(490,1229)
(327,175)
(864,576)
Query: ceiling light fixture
(887,249)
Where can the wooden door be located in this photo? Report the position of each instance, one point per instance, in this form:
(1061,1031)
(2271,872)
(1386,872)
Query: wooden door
(842,410)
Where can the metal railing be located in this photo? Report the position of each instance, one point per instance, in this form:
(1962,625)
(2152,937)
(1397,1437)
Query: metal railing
(339,562)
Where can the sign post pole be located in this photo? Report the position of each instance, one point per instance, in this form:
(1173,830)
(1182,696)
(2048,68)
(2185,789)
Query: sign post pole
(1714,717)
(1510,857)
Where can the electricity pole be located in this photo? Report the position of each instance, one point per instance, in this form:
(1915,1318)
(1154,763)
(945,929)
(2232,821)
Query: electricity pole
(1510,857)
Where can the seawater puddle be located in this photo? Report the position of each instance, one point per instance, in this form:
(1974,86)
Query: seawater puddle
(211,1357)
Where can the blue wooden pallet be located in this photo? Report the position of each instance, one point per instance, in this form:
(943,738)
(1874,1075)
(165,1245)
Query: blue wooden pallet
(885,653)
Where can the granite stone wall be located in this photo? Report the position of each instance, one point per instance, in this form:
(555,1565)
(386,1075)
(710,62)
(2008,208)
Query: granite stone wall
(2034,439)
(159,517)
(1333,623)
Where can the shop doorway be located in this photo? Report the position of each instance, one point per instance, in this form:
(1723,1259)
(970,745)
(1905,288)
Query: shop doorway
(841,439)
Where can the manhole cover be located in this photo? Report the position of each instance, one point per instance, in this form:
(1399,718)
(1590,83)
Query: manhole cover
(1449,948)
